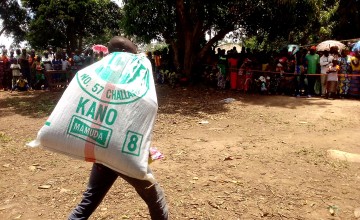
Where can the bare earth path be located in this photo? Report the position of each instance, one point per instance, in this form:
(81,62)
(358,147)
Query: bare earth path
(258,157)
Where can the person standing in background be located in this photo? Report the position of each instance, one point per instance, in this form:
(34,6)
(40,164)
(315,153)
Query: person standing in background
(343,73)
(32,58)
(312,60)
(15,71)
(25,66)
(51,54)
(157,62)
(17,53)
(222,65)
(332,79)
(233,64)
(46,61)
(325,61)
(4,61)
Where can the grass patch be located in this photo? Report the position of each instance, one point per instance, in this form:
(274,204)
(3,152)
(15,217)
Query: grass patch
(4,138)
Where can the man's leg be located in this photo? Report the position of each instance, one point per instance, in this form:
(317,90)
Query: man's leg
(311,84)
(153,196)
(101,180)
(298,84)
(305,83)
(323,84)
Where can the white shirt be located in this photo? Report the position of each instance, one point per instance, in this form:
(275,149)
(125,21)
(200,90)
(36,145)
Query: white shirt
(15,69)
(325,62)
(65,64)
(332,73)
(47,63)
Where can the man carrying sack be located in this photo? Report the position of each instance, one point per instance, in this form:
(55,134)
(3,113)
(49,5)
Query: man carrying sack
(103,177)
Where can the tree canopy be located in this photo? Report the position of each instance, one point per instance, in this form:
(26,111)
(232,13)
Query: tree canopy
(70,23)
(13,19)
(347,19)
(183,24)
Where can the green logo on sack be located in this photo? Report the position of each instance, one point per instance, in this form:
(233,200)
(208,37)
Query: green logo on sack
(121,78)
(90,132)
(132,144)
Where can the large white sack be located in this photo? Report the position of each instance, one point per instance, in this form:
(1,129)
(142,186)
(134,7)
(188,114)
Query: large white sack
(106,115)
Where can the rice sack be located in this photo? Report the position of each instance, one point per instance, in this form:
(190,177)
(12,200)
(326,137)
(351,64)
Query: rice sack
(106,115)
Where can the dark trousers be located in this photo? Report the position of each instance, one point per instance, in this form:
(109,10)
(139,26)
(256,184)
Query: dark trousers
(301,83)
(311,83)
(101,180)
(27,76)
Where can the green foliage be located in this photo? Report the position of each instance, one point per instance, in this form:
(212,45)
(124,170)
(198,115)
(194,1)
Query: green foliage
(183,24)
(347,19)
(71,23)
(148,20)
(284,21)
(172,78)
(13,19)
(155,46)
(4,138)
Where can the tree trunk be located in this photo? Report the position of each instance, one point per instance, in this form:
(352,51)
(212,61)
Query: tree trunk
(192,58)
(175,54)
(80,43)
(188,54)
(220,35)
(2,31)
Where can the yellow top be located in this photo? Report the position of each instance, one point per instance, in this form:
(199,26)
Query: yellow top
(355,64)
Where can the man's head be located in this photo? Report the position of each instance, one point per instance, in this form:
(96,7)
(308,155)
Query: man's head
(312,50)
(335,62)
(326,53)
(121,44)
(334,50)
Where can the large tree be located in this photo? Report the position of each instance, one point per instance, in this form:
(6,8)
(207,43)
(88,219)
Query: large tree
(183,24)
(70,23)
(276,22)
(13,19)
(347,19)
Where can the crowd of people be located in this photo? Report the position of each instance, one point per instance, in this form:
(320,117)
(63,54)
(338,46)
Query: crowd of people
(297,71)
(24,70)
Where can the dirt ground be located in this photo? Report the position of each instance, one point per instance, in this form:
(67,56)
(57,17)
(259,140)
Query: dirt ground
(257,157)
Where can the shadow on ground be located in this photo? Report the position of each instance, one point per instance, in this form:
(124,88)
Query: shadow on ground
(34,104)
(189,101)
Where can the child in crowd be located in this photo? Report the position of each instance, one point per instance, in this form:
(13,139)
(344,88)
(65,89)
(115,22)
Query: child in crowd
(263,84)
(222,66)
(39,76)
(57,65)
(21,84)
(15,70)
(332,78)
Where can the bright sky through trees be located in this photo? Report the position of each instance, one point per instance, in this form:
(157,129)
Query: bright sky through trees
(7,41)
